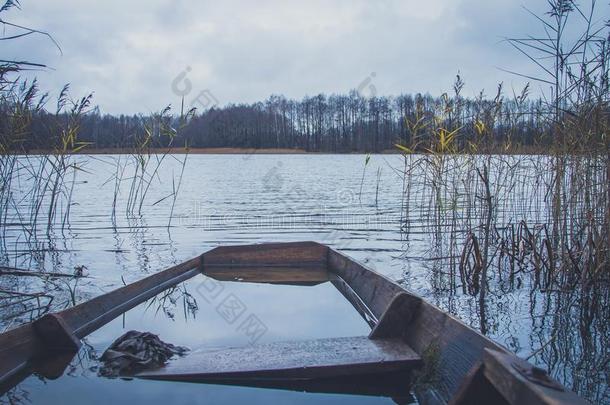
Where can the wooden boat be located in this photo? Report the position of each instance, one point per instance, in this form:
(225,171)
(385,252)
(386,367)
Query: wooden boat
(413,346)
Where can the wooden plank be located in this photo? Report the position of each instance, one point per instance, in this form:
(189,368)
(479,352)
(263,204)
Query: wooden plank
(311,359)
(437,336)
(22,352)
(55,334)
(278,263)
(354,299)
(445,340)
(17,347)
(89,316)
(453,345)
(374,289)
(502,370)
(476,389)
(396,318)
(273,254)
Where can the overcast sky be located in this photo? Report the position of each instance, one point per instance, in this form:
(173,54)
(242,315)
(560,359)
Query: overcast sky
(130,52)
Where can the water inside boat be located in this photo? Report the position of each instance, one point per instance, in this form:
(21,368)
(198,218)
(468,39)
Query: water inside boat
(205,314)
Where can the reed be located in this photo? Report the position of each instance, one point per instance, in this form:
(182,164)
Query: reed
(482,195)
(157,133)
(500,223)
(37,190)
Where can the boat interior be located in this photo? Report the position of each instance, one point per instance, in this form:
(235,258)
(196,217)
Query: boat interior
(414,351)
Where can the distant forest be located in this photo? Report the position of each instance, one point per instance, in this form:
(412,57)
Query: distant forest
(336,123)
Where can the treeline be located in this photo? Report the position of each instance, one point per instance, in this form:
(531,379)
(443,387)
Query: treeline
(336,123)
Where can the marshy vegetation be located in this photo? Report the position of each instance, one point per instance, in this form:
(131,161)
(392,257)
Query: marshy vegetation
(37,189)
(38,192)
(511,192)
(497,222)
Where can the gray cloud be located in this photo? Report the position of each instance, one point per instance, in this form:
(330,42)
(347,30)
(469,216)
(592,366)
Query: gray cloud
(128,53)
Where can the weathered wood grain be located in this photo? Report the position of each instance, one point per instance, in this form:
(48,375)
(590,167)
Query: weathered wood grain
(453,345)
(89,316)
(277,263)
(273,254)
(375,290)
(500,370)
(311,359)
(434,334)
(476,389)
(55,334)
(395,320)
(354,299)
(17,347)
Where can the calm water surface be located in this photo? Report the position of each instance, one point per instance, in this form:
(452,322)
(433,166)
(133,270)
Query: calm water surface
(243,199)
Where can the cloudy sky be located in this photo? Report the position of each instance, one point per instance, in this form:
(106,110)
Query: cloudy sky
(132,54)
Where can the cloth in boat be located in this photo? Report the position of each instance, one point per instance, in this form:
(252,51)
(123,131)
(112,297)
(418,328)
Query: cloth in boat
(136,351)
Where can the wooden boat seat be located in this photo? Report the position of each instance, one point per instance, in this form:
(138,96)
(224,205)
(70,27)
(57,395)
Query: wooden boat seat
(296,360)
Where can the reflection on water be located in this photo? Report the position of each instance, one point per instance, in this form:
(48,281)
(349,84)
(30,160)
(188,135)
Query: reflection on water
(288,313)
(233,199)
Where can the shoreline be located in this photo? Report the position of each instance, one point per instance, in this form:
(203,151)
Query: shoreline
(202,151)
(273,151)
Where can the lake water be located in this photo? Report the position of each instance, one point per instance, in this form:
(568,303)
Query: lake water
(243,199)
